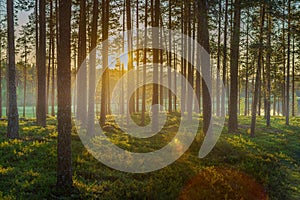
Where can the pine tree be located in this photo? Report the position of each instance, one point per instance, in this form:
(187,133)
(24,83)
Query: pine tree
(203,39)
(82,66)
(13,116)
(104,92)
(234,67)
(144,66)
(41,67)
(258,71)
(92,71)
(64,127)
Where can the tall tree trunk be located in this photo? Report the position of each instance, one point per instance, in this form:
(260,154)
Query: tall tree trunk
(36,13)
(247,67)
(130,57)
(258,72)
(161,59)
(261,88)
(223,103)
(231,22)
(57,38)
(274,92)
(122,66)
(268,70)
(194,52)
(284,61)
(41,68)
(183,60)
(144,66)
(92,71)
(293,74)
(64,127)
(205,62)
(155,44)
(234,69)
(53,66)
(82,66)
(25,82)
(287,116)
(13,116)
(48,71)
(137,109)
(190,68)
(104,92)
(170,60)
(218,61)
(198,74)
(51,60)
(51,55)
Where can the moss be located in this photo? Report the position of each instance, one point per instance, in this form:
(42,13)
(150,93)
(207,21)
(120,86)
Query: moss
(238,167)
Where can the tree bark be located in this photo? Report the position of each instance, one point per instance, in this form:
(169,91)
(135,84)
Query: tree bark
(234,69)
(268,70)
(13,116)
(175,79)
(223,103)
(41,67)
(155,43)
(56,42)
(82,66)
(36,13)
(203,39)
(288,68)
(161,61)
(170,60)
(92,72)
(130,57)
(283,95)
(293,74)
(64,127)
(190,68)
(144,66)
(49,69)
(25,82)
(183,60)
(137,109)
(247,67)
(122,65)
(104,92)
(218,112)
(53,69)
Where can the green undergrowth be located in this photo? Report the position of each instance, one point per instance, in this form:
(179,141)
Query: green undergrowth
(239,167)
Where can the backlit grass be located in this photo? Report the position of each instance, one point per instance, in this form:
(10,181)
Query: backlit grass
(266,166)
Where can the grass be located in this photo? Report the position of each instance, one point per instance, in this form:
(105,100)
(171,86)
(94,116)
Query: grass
(239,167)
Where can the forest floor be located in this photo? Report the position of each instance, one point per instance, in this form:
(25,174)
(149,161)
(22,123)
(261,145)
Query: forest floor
(239,167)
